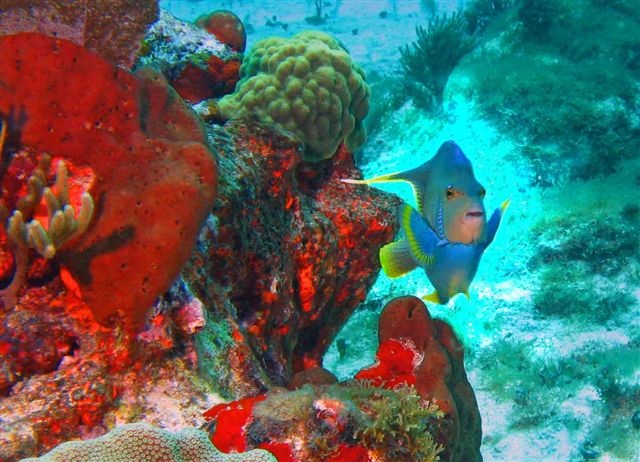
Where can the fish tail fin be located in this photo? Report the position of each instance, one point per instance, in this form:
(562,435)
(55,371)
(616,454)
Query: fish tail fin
(433,297)
(396,259)
(390,177)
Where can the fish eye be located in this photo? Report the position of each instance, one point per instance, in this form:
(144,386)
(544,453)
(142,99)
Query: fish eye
(483,192)
(450,192)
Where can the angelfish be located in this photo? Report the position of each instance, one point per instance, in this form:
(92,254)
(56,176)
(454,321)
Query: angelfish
(449,232)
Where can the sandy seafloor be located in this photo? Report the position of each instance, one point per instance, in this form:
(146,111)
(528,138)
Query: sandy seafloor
(578,425)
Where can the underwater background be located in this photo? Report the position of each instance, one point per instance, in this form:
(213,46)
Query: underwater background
(543,97)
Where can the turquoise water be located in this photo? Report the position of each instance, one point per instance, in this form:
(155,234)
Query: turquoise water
(546,107)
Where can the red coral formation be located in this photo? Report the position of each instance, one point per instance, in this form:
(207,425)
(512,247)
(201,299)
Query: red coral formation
(155,178)
(439,376)
(218,79)
(396,365)
(296,251)
(226,27)
(231,420)
(111,28)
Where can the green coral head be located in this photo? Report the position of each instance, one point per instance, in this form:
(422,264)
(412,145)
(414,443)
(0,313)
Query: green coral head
(307,85)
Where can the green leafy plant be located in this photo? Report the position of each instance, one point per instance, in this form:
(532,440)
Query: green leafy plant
(429,60)
(400,419)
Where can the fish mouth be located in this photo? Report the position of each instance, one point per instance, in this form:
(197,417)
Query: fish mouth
(475,214)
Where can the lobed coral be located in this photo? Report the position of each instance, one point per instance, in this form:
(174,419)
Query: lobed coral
(307,85)
(145,443)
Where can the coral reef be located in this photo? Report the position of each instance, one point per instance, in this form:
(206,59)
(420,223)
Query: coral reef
(193,60)
(146,443)
(111,28)
(429,60)
(154,176)
(294,254)
(307,244)
(414,404)
(286,253)
(307,85)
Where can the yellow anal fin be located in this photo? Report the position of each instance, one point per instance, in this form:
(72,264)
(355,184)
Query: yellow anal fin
(396,260)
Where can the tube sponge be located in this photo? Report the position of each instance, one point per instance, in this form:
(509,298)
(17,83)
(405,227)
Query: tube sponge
(307,85)
(146,443)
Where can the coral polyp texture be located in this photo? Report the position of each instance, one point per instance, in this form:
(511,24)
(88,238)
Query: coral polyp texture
(145,443)
(307,85)
(155,178)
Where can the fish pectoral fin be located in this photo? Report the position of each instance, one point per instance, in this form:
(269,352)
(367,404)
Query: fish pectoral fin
(421,239)
(433,297)
(494,221)
(396,259)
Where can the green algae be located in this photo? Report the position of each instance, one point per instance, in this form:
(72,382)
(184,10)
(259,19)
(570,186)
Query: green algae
(566,93)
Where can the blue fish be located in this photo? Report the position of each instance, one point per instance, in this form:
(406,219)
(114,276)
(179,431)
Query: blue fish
(449,232)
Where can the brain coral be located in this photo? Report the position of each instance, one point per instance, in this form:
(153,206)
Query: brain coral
(307,85)
(145,443)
